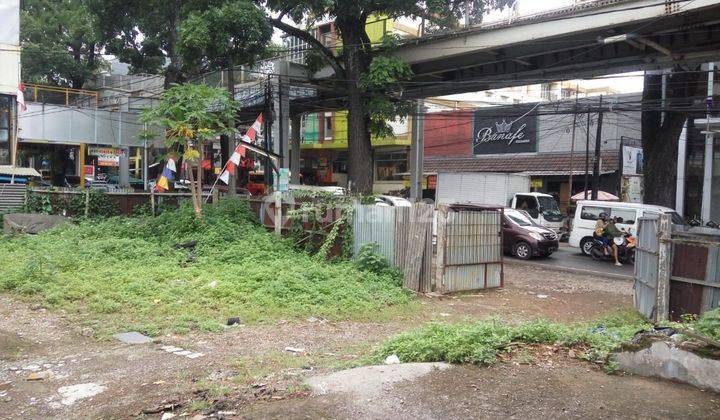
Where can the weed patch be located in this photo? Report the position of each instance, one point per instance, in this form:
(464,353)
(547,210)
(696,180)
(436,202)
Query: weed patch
(129,274)
(481,342)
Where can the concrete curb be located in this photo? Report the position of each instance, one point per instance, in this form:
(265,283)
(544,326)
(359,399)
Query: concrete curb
(570,270)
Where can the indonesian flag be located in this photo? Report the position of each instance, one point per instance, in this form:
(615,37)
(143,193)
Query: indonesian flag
(239,152)
(251,134)
(21,97)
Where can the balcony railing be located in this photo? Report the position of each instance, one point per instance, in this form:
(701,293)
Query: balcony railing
(57,95)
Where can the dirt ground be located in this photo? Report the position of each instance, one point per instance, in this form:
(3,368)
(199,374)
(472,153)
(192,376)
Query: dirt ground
(51,368)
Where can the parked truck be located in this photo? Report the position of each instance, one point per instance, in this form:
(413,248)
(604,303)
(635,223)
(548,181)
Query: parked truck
(500,189)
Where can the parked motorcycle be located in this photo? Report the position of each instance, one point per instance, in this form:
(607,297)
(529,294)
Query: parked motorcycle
(626,245)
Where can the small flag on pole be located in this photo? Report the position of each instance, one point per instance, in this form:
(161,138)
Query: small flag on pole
(167,176)
(232,164)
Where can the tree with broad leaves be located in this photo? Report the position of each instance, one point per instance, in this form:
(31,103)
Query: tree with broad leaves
(192,36)
(366,73)
(660,136)
(61,45)
(192,116)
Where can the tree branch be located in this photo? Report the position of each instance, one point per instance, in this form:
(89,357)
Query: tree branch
(307,37)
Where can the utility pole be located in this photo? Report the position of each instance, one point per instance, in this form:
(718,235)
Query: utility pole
(705,210)
(267,122)
(587,156)
(232,184)
(417,154)
(572,146)
(598,145)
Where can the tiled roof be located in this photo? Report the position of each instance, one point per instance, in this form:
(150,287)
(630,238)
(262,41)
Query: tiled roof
(519,163)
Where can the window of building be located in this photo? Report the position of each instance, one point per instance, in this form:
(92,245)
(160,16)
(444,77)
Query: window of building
(297,49)
(326,35)
(389,165)
(568,93)
(545,91)
(328,121)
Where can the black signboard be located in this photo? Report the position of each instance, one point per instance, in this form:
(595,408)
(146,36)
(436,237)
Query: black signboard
(505,130)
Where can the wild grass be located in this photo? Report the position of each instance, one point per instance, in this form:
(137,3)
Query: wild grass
(481,342)
(127,274)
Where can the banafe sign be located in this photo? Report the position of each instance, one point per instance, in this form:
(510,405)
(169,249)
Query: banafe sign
(506,130)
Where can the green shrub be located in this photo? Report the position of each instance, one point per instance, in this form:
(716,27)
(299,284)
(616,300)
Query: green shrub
(709,324)
(370,260)
(481,342)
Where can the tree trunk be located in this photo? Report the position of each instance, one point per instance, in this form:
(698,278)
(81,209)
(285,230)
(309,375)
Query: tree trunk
(660,138)
(360,155)
(173,73)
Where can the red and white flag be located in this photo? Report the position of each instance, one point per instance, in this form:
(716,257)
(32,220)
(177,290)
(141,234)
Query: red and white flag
(21,98)
(232,164)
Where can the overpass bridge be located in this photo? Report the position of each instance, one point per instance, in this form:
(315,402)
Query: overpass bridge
(593,38)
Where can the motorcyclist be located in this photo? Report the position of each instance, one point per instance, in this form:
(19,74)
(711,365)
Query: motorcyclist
(599,232)
(612,232)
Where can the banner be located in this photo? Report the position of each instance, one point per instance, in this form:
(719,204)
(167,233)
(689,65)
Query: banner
(505,130)
(632,162)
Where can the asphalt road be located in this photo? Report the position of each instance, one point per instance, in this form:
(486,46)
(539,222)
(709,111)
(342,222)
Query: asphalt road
(572,260)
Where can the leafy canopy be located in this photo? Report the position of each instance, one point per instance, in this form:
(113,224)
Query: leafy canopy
(190,36)
(61,45)
(215,38)
(191,114)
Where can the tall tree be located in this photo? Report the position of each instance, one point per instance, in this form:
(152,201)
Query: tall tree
(364,71)
(660,136)
(181,37)
(192,116)
(60,43)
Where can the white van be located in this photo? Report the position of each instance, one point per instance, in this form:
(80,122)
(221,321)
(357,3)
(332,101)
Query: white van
(587,212)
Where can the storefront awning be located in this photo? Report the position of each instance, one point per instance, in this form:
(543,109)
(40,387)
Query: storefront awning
(562,173)
(17,171)
(545,163)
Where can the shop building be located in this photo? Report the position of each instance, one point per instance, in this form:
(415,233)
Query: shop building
(538,140)
(9,76)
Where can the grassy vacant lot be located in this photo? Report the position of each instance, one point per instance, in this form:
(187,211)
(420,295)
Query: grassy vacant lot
(125,273)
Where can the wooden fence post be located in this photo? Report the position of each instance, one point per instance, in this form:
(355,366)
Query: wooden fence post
(664,269)
(87,202)
(152,201)
(278,213)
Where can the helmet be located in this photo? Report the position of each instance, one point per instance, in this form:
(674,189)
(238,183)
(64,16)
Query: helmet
(603,216)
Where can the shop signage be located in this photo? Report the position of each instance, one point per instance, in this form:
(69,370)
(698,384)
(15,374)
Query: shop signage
(632,161)
(283,180)
(107,151)
(505,130)
(108,160)
(107,156)
(89,172)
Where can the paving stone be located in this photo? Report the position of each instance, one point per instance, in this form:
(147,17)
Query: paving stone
(133,337)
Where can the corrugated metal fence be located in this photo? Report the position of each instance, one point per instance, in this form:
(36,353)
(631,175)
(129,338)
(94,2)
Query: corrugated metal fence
(646,266)
(469,250)
(403,235)
(676,269)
